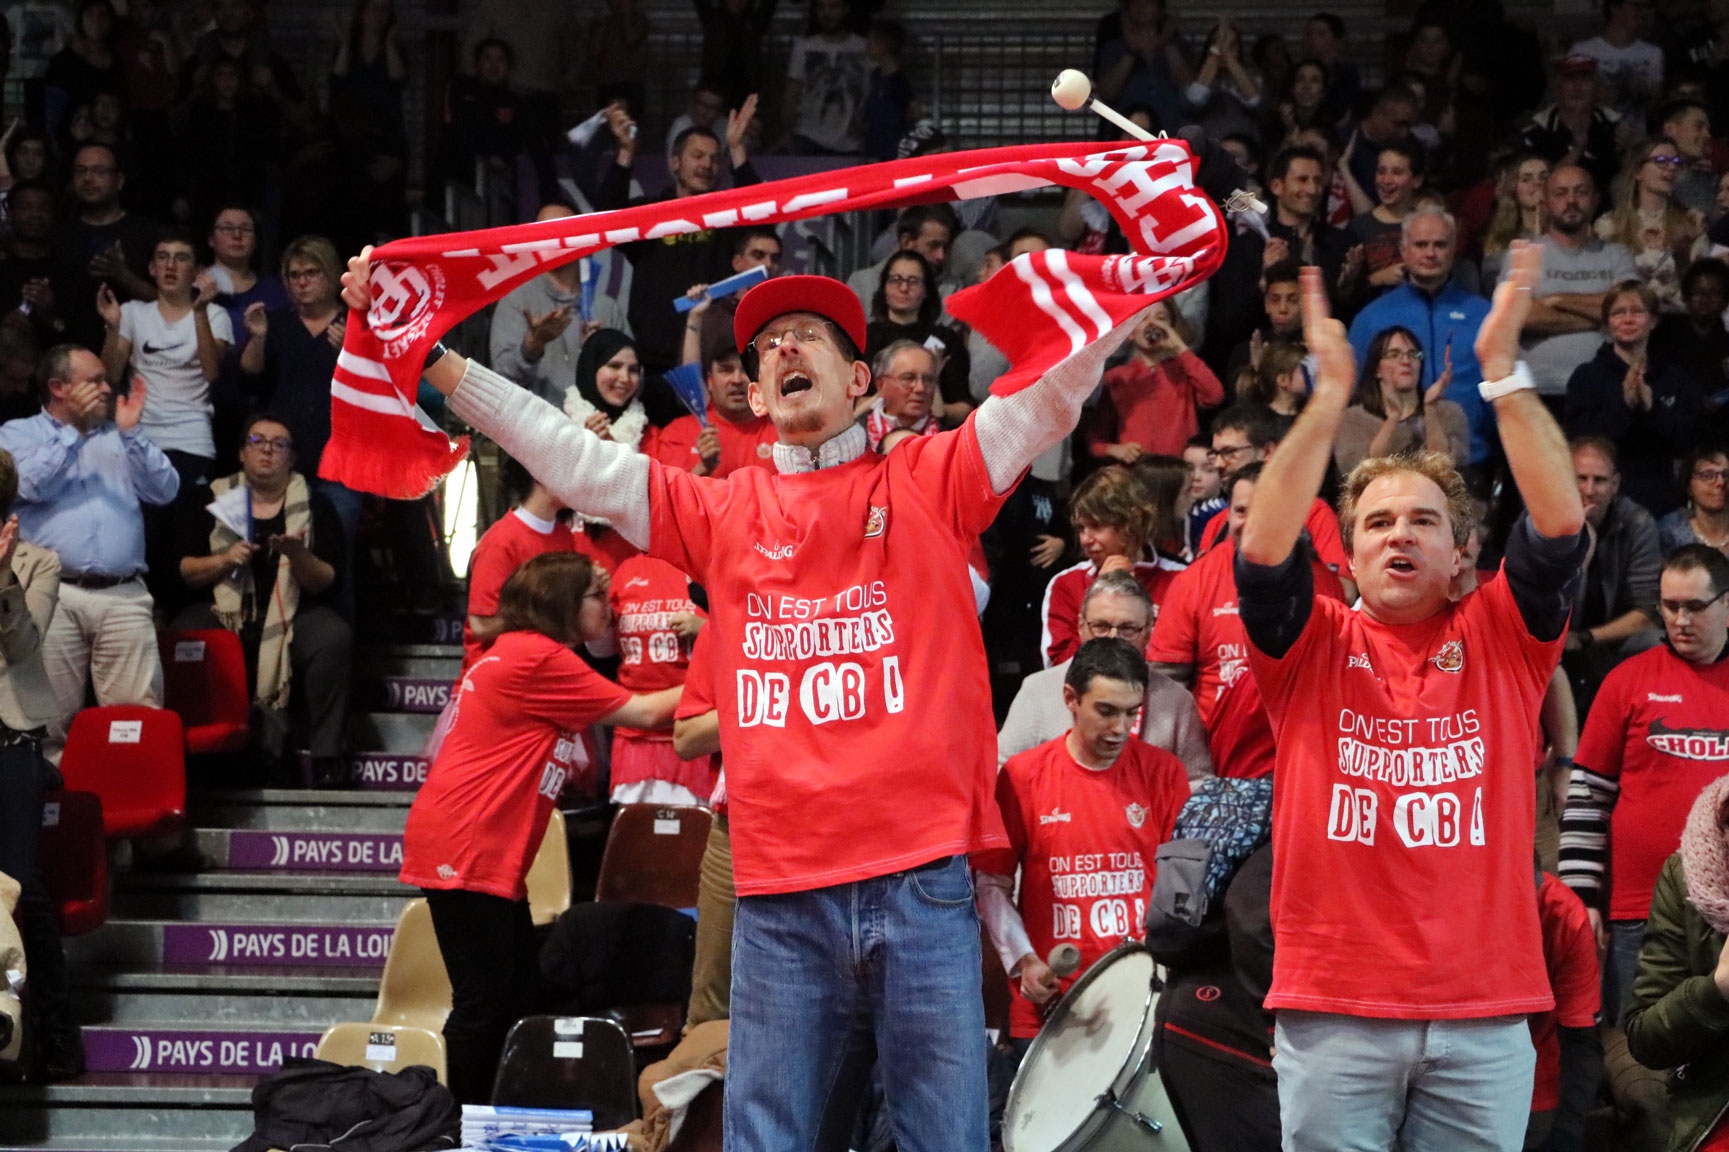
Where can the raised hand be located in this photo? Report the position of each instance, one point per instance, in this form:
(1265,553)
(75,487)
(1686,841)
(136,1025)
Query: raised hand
(708,448)
(335,331)
(357,281)
(107,306)
(8,543)
(544,329)
(204,290)
(1336,365)
(1438,389)
(88,405)
(256,318)
(1046,551)
(1498,338)
(110,263)
(738,125)
(129,409)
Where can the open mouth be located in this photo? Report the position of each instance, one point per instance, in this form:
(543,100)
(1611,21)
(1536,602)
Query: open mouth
(793,383)
(1401,564)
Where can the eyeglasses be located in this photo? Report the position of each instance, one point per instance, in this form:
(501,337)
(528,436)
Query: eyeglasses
(1677,608)
(1711,475)
(94,170)
(905,281)
(1671,161)
(304,274)
(175,257)
(1121,631)
(276,443)
(234,229)
(908,379)
(810,333)
(1414,355)
(1214,454)
(1628,310)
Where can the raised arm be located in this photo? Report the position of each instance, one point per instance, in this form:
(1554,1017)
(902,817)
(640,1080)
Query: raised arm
(1536,448)
(1292,477)
(587,474)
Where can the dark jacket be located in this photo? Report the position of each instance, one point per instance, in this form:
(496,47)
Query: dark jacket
(317,1104)
(1648,441)
(1678,1019)
(1625,568)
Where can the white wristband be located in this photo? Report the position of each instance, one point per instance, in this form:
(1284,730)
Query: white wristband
(1519,381)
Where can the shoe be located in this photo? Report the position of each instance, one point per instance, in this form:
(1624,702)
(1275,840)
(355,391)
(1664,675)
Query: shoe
(330,772)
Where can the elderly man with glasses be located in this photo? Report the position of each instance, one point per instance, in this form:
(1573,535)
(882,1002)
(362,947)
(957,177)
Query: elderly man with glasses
(906,376)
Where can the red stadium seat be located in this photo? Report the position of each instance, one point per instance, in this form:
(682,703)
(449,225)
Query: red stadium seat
(74,857)
(134,758)
(204,680)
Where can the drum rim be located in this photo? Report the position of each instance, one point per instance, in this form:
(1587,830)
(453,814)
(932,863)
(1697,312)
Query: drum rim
(1136,1059)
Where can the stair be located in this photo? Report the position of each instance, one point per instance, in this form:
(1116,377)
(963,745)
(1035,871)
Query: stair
(271,923)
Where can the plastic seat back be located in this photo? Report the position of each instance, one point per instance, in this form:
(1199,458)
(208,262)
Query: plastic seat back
(74,855)
(568,1062)
(204,682)
(382,1047)
(134,758)
(654,855)
(549,875)
(415,988)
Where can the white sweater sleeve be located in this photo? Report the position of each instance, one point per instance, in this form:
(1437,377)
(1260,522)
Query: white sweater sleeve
(589,475)
(996,904)
(1014,430)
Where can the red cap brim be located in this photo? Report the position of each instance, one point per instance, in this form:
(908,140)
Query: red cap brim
(819,295)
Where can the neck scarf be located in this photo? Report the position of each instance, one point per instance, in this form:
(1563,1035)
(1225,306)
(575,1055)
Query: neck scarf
(1042,309)
(1705,855)
(878,423)
(237,594)
(597,351)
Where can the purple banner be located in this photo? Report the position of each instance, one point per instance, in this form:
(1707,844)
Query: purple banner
(413,693)
(316,851)
(383,772)
(281,945)
(112,1049)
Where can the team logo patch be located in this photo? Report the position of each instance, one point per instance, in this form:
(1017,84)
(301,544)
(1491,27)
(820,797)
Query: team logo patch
(764,451)
(1137,815)
(405,298)
(1451,657)
(1689,743)
(877,522)
(1207,993)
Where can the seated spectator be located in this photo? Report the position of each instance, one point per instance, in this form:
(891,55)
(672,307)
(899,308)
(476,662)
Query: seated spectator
(84,468)
(102,243)
(1651,223)
(1224,98)
(234,246)
(1198,641)
(275,587)
(1519,212)
(1695,341)
(1569,1051)
(1647,751)
(1576,129)
(536,524)
(1202,498)
(827,79)
(662,272)
(889,104)
(484,119)
(1704,517)
(1165,478)
(1279,382)
(536,330)
(1393,413)
(1095,770)
(1114,521)
(1378,227)
(1687,122)
(519,733)
(1649,407)
(29,590)
(1629,68)
(1114,605)
(728,435)
(1152,403)
(905,376)
(907,305)
(657,622)
(1279,297)
(1565,326)
(929,230)
(1142,63)
(1680,996)
(1444,318)
(33,280)
(1612,615)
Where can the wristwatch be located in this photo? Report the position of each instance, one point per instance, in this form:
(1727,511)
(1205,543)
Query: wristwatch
(438,352)
(1519,381)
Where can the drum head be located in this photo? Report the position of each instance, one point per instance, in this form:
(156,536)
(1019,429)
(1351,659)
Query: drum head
(1083,1049)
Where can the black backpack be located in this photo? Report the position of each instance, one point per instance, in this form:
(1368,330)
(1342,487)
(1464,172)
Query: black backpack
(314,1104)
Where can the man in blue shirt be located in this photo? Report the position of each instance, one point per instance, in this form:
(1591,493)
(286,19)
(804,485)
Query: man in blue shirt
(1445,318)
(83,468)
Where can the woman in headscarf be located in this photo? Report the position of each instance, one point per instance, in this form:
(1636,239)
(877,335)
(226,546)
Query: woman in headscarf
(606,398)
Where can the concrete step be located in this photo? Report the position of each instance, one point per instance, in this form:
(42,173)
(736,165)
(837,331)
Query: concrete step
(221,979)
(266,897)
(142,1109)
(164,1009)
(233,849)
(296,810)
(309,948)
(425,662)
(402,732)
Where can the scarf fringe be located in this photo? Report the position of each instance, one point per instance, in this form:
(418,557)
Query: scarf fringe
(397,472)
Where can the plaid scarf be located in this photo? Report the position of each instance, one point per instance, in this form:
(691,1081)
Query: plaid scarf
(237,595)
(1049,308)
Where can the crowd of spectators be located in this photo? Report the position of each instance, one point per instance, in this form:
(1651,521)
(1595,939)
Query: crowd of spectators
(174,199)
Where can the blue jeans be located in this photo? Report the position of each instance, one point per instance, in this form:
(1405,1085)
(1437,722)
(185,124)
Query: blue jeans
(1620,966)
(1357,1084)
(901,950)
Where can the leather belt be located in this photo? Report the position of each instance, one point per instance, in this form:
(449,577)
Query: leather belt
(93,581)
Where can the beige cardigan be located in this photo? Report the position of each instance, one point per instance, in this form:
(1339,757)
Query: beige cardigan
(26,700)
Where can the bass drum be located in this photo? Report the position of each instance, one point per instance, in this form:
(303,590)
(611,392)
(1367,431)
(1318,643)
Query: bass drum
(1087,1083)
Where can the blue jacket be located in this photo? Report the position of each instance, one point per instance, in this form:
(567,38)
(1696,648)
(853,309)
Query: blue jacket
(1451,315)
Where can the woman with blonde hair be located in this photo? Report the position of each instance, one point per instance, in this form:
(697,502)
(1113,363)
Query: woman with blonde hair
(1663,236)
(1519,210)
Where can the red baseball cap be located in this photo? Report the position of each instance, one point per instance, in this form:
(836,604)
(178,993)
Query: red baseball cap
(819,295)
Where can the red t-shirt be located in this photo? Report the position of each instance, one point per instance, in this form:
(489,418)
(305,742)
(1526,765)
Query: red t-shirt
(1063,596)
(480,817)
(1155,407)
(698,699)
(603,545)
(646,593)
(1085,842)
(1323,526)
(1403,811)
(1570,952)
(1199,626)
(1660,725)
(501,551)
(747,444)
(854,696)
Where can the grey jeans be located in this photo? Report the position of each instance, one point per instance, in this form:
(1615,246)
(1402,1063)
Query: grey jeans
(1355,1084)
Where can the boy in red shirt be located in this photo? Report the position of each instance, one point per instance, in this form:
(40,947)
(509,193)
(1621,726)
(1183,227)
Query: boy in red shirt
(854,698)
(1407,944)
(1085,815)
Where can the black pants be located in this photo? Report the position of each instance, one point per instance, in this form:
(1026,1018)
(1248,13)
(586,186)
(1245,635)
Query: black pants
(23,777)
(1224,1104)
(490,952)
(160,526)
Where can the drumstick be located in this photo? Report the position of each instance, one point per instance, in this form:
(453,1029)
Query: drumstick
(1063,960)
(1072,90)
